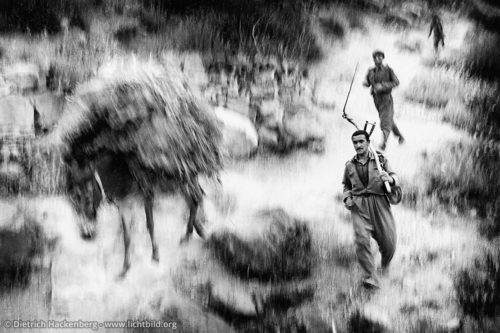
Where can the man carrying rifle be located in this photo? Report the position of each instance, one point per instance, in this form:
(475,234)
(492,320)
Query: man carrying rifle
(365,196)
(382,80)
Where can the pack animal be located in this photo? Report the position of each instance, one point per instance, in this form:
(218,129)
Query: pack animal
(111,179)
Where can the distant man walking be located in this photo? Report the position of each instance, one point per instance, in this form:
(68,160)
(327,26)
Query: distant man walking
(437,28)
(370,209)
(382,80)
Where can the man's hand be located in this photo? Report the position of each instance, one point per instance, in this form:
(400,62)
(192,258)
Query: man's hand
(384,176)
(377,87)
(349,203)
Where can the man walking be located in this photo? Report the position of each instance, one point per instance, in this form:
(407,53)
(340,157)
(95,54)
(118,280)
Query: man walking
(437,28)
(382,80)
(370,209)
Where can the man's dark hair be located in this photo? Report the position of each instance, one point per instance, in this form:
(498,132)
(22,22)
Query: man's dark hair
(361,132)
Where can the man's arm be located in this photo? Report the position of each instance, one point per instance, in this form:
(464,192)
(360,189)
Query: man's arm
(366,82)
(347,186)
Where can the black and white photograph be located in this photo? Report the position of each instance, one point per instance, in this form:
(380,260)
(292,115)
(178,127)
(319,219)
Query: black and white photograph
(250,166)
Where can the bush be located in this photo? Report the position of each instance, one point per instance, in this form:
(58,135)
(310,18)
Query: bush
(18,246)
(484,108)
(481,57)
(465,175)
(478,287)
(247,26)
(284,254)
(42,15)
(435,88)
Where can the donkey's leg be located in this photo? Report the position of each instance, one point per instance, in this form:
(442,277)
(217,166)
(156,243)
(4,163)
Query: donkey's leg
(198,222)
(192,216)
(194,196)
(126,242)
(148,205)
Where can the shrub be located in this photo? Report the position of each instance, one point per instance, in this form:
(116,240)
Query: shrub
(42,15)
(247,26)
(285,252)
(484,108)
(18,246)
(478,287)
(435,88)
(481,57)
(465,175)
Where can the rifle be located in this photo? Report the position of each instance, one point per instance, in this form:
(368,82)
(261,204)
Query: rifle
(344,115)
(377,161)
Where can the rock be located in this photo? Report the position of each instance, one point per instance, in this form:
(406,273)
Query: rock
(16,114)
(50,107)
(302,124)
(268,137)
(322,94)
(23,76)
(240,139)
(283,253)
(370,320)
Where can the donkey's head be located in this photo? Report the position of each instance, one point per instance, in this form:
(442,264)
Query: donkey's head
(84,194)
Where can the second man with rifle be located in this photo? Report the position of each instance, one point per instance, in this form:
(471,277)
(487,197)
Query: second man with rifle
(382,80)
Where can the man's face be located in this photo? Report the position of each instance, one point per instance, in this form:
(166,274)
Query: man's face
(378,59)
(360,144)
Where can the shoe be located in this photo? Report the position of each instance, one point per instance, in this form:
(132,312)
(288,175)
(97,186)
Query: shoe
(401,140)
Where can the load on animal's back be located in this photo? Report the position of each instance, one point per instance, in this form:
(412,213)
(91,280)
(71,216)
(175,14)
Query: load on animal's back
(140,122)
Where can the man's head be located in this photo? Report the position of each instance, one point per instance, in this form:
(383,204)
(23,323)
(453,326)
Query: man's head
(378,57)
(360,141)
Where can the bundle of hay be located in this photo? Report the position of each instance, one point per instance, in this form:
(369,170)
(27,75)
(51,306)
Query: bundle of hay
(147,114)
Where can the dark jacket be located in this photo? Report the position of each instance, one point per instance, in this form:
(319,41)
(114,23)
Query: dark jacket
(383,75)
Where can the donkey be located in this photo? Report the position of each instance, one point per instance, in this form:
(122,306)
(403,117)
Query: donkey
(111,178)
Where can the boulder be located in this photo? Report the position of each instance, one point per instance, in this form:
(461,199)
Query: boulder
(16,114)
(283,253)
(240,138)
(24,76)
(302,125)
